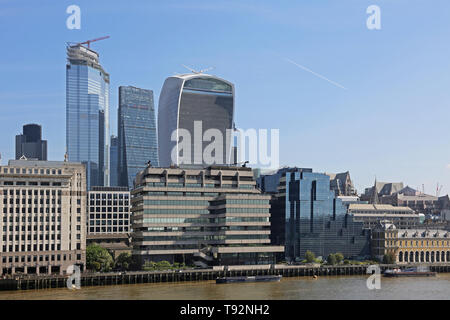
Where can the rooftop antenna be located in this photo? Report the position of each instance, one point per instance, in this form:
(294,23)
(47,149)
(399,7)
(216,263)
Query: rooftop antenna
(198,71)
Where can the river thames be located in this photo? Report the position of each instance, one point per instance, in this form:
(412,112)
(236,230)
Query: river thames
(301,288)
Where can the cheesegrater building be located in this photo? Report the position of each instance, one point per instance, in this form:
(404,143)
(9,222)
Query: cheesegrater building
(137,141)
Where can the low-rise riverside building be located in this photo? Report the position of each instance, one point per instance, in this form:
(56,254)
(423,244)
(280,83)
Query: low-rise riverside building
(212,216)
(109,218)
(43,216)
(372,214)
(410,245)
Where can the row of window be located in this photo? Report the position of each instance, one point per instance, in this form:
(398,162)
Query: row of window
(109,229)
(108,222)
(40,258)
(31,192)
(35,237)
(109,196)
(35,210)
(31,183)
(31,171)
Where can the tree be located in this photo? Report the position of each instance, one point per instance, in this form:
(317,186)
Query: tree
(98,258)
(331,259)
(389,258)
(339,257)
(163,265)
(310,257)
(123,261)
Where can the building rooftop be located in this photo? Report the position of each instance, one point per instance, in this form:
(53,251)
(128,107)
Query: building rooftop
(40,163)
(378,207)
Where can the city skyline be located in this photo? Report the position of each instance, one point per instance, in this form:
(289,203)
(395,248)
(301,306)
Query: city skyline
(378,127)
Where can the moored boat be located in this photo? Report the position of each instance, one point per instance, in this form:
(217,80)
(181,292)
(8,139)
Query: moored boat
(249,279)
(409,272)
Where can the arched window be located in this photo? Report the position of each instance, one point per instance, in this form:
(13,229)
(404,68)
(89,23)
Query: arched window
(422,256)
(411,256)
(406,256)
(417,257)
(442,256)
(432,256)
(400,256)
(427,256)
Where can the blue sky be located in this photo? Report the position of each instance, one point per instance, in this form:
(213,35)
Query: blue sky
(391,122)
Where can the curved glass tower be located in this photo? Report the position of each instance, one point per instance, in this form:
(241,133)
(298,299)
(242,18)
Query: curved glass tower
(87,113)
(196,103)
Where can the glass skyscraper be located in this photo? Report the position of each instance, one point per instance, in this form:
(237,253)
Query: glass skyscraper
(190,98)
(87,113)
(138,142)
(114,162)
(306,215)
(30,143)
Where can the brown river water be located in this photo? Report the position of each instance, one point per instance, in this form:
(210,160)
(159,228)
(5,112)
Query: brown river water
(301,288)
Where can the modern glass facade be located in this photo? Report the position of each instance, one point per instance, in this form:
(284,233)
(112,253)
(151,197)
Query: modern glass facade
(138,143)
(306,215)
(114,162)
(30,143)
(185,100)
(87,114)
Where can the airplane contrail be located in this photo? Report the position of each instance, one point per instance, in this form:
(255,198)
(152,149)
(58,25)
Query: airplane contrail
(316,74)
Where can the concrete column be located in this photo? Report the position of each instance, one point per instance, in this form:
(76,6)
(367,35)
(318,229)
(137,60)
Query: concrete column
(49,269)
(13,270)
(25,269)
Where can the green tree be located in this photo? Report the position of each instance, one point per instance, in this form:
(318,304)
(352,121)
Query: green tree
(98,259)
(339,257)
(163,265)
(149,266)
(331,259)
(389,258)
(123,261)
(310,257)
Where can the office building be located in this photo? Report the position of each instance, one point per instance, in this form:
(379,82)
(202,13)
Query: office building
(114,162)
(138,143)
(87,113)
(191,106)
(43,224)
(30,145)
(372,214)
(109,218)
(212,216)
(307,216)
(410,245)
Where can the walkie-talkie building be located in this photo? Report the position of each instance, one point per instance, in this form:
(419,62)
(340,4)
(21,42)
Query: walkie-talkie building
(87,113)
(195,102)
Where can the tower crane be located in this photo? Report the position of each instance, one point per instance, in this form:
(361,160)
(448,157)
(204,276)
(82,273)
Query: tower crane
(88,42)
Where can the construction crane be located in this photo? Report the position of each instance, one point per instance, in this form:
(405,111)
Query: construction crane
(88,42)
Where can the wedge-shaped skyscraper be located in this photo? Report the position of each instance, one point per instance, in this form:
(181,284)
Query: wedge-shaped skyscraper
(138,143)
